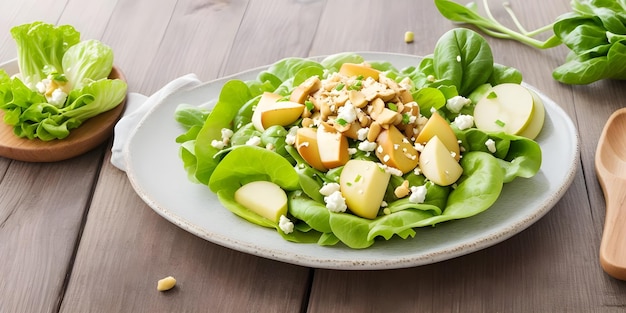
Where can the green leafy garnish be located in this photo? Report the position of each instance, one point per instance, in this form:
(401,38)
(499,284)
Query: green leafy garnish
(62,82)
(594,31)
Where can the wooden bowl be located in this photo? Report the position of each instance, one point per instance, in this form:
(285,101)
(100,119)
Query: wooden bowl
(86,137)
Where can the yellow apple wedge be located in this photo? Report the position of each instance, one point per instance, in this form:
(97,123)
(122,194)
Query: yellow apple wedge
(269,112)
(302,91)
(507,107)
(332,146)
(264,198)
(363,184)
(355,69)
(437,126)
(306,144)
(395,150)
(438,165)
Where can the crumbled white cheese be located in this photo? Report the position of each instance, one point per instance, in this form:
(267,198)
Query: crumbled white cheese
(456,103)
(362,133)
(42,86)
(418,194)
(391,170)
(367,146)
(226,134)
(329,188)
(347,112)
(57,98)
(352,151)
(285,224)
(218,144)
(336,202)
(290,138)
(463,121)
(491,145)
(254,141)
(418,146)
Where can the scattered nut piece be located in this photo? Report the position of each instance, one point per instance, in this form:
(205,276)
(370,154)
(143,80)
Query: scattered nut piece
(402,190)
(166,283)
(409,37)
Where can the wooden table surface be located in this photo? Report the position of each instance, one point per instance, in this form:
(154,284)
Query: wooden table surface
(74,236)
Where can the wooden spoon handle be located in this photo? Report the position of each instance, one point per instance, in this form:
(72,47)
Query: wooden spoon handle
(613,245)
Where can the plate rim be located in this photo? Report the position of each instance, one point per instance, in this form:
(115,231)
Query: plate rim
(486,240)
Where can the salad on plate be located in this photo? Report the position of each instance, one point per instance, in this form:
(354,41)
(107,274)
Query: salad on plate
(353,151)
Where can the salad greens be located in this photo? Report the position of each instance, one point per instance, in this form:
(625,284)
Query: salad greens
(435,79)
(595,33)
(62,82)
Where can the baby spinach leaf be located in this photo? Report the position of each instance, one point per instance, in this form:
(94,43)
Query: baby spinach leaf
(250,163)
(234,94)
(465,58)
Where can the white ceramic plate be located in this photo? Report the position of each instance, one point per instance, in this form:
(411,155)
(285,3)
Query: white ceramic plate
(157,175)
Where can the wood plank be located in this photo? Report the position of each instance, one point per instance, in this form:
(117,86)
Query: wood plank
(41,213)
(275,30)
(199,36)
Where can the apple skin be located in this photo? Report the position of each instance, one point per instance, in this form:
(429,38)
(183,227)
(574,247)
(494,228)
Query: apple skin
(269,112)
(438,165)
(395,150)
(354,69)
(264,198)
(307,146)
(438,126)
(509,109)
(363,184)
(535,125)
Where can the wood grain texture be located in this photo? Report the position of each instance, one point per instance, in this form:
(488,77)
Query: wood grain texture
(41,212)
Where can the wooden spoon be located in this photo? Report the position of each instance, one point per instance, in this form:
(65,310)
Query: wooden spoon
(611,171)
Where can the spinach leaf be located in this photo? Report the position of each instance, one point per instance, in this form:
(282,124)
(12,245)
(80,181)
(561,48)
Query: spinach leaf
(465,58)
(234,94)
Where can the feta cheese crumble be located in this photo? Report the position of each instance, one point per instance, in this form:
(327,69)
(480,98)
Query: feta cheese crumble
(456,103)
(285,224)
(329,189)
(367,146)
(254,141)
(57,98)
(335,202)
(491,145)
(418,194)
(463,122)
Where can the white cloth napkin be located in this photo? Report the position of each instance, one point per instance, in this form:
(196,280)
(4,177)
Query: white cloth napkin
(137,106)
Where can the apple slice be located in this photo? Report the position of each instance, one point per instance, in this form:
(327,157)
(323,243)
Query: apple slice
(438,165)
(507,107)
(269,111)
(395,150)
(264,198)
(306,144)
(363,184)
(536,122)
(332,146)
(355,69)
(438,126)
